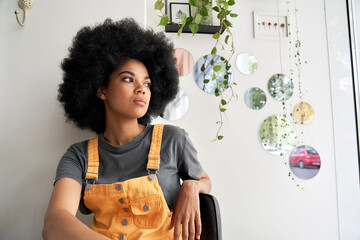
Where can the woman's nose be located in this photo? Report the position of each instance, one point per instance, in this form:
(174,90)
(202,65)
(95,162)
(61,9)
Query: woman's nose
(140,89)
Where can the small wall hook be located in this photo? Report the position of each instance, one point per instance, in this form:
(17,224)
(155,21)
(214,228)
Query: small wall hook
(24,5)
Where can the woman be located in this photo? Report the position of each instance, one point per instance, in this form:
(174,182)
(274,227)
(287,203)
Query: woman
(116,78)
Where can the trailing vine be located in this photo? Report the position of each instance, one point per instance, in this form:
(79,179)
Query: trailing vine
(222,8)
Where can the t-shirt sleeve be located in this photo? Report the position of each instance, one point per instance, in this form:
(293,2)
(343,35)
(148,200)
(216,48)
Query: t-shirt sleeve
(188,163)
(71,164)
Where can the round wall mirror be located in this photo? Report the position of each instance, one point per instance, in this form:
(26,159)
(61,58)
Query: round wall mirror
(304,162)
(213,74)
(303,113)
(246,63)
(277,134)
(280,87)
(255,98)
(177,108)
(184,61)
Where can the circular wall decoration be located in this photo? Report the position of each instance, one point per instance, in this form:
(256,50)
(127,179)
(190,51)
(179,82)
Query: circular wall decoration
(177,108)
(255,98)
(303,113)
(280,87)
(277,134)
(246,63)
(304,162)
(213,74)
(184,61)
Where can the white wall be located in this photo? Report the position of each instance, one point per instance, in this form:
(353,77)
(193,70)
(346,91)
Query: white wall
(257,198)
(34,134)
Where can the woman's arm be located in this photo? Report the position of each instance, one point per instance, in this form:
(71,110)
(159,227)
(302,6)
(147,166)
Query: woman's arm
(60,221)
(187,208)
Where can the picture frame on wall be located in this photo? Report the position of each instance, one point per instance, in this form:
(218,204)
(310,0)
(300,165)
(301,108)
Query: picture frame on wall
(176,9)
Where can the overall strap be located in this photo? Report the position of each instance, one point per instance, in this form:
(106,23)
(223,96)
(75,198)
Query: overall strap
(93,159)
(154,154)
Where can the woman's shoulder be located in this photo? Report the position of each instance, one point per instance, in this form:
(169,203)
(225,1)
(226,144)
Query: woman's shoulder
(173,130)
(174,134)
(78,148)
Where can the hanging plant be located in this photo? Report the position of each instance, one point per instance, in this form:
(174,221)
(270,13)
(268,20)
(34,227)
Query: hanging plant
(204,10)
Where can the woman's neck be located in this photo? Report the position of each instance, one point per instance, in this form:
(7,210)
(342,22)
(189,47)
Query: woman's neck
(121,132)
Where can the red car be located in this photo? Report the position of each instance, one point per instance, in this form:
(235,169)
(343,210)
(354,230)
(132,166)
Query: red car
(304,157)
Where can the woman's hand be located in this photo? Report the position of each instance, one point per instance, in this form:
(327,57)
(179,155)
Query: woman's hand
(187,208)
(187,211)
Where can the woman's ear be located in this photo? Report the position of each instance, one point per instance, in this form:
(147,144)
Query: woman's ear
(101,93)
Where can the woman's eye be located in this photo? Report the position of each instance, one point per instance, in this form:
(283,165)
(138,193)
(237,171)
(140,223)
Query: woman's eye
(148,84)
(127,79)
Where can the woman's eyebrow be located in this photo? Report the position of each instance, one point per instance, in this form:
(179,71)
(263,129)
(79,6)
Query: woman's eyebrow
(132,74)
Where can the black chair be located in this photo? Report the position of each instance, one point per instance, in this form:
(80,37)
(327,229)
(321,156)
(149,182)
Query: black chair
(210,218)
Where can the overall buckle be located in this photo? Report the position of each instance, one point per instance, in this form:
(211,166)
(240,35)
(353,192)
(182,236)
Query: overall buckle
(152,174)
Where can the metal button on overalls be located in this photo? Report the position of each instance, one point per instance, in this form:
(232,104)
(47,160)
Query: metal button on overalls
(124,222)
(133,209)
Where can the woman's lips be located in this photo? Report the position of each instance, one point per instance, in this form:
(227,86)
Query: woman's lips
(140,101)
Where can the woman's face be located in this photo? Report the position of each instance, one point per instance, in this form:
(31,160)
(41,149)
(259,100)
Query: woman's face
(127,94)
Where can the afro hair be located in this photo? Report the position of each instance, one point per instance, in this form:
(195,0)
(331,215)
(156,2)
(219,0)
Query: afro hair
(97,52)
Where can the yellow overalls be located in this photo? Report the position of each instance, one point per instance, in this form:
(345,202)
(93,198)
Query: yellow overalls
(133,209)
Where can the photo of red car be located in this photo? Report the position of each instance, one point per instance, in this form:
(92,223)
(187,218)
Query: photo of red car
(305,156)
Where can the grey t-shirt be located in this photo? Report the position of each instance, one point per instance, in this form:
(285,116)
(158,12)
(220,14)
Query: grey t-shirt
(178,159)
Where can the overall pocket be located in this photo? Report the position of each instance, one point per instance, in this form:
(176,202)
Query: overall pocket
(147,212)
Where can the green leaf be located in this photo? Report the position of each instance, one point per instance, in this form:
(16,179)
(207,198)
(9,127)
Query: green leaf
(216,9)
(231,2)
(228,23)
(204,12)
(179,31)
(227,39)
(213,51)
(164,20)
(193,27)
(205,2)
(206,80)
(222,109)
(217,68)
(223,102)
(220,137)
(213,77)
(226,5)
(216,35)
(203,67)
(212,62)
(183,18)
(224,24)
(193,3)
(221,14)
(198,18)
(189,20)
(233,15)
(159,4)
